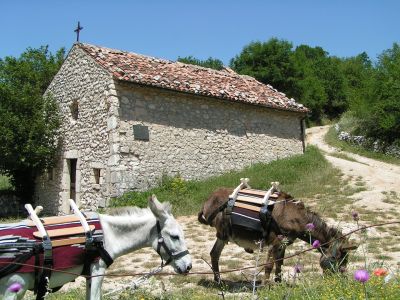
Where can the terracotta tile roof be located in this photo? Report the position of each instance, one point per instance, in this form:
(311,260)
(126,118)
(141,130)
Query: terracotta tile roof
(225,84)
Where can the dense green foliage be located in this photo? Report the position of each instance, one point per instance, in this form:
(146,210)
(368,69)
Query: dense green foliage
(28,121)
(305,73)
(380,112)
(268,62)
(210,62)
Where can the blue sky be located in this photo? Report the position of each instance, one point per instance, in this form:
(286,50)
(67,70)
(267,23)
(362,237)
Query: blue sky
(219,28)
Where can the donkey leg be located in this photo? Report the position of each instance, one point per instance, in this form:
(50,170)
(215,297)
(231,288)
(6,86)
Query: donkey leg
(215,255)
(269,264)
(279,254)
(93,283)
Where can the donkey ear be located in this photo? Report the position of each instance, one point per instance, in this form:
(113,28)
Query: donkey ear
(349,246)
(157,208)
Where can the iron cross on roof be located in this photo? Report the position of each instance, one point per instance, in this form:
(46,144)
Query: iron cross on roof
(77,30)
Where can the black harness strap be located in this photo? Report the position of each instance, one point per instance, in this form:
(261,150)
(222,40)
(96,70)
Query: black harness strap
(162,244)
(105,256)
(93,250)
(216,212)
(266,220)
(45,274)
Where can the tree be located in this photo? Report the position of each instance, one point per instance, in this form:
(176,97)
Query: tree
(319,82)
(212,63)
(308,87)
(28,121)
(268,62)
(382,119)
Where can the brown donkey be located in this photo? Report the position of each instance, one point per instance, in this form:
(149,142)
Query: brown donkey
(290,221)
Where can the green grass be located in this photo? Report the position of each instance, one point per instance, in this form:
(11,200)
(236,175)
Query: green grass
(331,139)
(334,287)
(391,197)
(342,156)
(305,286)
(303,176)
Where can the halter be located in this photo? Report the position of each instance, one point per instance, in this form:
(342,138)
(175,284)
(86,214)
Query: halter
(162,244)
(332,260)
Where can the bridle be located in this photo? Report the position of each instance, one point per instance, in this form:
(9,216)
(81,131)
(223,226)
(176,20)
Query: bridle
(161,244)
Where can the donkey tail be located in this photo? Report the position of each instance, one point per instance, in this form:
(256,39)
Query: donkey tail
(202,219)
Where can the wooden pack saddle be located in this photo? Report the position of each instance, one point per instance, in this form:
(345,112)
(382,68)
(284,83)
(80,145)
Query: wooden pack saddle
(249,210)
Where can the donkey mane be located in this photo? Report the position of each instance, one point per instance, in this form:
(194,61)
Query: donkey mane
(321,226)
(136,211)
(128,211)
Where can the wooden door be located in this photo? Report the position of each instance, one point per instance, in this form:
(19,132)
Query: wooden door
(72,175)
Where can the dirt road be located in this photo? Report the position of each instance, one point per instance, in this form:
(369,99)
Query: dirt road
(382,179)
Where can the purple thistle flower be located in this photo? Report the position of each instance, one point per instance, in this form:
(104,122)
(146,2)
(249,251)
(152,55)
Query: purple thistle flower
(316,244)
(310,227)
(361,276)
(297,268)
(15,287)
(355,216)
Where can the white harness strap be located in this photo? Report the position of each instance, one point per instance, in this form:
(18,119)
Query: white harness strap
(81,218)
(42,280)
(243,183)
(273,188)
(36,220)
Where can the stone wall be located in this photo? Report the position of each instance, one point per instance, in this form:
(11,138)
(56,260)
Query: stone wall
(84,88)
(196,137)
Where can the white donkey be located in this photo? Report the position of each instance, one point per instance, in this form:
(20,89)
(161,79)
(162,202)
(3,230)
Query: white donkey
(124,231)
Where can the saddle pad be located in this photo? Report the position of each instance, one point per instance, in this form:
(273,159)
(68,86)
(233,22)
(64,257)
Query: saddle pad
(244,219)
(67,252)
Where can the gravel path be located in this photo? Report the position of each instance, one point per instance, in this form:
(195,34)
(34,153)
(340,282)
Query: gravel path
(380,178)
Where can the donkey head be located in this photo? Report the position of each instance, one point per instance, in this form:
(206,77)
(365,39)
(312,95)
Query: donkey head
(334,258)
(170,241)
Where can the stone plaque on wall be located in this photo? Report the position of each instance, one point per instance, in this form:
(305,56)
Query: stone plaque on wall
(141,132)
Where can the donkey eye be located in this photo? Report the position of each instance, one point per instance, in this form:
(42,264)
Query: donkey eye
(175,237)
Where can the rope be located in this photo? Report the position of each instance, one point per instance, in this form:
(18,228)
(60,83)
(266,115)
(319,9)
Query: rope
(203,273)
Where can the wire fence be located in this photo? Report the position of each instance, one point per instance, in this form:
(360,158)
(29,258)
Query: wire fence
(159,273)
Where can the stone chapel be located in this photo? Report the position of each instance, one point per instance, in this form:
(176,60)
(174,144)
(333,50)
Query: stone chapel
(127,119)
